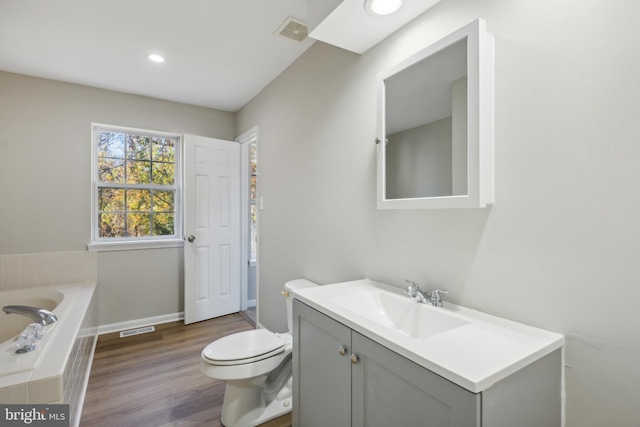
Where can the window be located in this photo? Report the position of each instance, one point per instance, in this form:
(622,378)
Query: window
(136,186)
(253,208)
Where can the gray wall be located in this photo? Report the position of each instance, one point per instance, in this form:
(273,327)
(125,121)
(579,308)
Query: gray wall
(45,170)
(418,161)
(559,250)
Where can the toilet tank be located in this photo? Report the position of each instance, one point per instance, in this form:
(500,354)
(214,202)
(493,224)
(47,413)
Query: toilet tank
(288,287)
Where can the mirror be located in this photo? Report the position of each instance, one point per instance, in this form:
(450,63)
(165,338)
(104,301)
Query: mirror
(435,117)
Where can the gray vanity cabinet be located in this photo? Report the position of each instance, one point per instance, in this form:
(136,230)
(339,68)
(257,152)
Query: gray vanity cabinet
(322,376)
(367,384)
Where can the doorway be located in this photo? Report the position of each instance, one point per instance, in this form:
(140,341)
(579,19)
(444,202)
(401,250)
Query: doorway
(250,209)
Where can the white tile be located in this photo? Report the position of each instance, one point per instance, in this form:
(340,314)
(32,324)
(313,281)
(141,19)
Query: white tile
(89,277)
(45,258)
(45,280)
(61,257)
(60,279)
(29,271)
(75,278)
(77,256)
(61,269)
(11,260)
(29,282)
(45,270)
(29,259)
(12,283)
(90,266)
(12,272)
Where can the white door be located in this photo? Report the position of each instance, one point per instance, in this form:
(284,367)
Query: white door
(212,228)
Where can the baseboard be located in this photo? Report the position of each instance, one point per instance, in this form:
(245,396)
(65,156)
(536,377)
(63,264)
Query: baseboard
(138,323)
(251,303)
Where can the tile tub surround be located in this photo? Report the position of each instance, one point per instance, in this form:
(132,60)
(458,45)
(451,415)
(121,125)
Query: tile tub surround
(57,371)
(19,271)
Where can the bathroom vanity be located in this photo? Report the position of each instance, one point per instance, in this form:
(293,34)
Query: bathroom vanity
(367,355)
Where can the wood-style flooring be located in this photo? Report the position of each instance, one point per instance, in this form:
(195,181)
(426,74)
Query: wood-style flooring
(154,379)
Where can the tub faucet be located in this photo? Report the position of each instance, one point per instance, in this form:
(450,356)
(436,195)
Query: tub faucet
(418,295)
(38,315)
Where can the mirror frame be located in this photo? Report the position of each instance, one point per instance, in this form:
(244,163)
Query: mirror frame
(480,122)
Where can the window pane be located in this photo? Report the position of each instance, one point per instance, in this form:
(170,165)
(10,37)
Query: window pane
(163,224)
(253,188)
(163,201)
(254,158)
(111,199)
(111,225)
(163,150)
(138,201)
(138,225)
(138,147)
(163,173)
(110,170)
(138,172)
(254,232)
(135,184)
(111,145)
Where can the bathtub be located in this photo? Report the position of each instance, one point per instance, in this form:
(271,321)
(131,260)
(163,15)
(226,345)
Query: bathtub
(57,371)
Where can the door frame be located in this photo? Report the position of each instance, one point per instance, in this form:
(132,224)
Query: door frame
(244,140)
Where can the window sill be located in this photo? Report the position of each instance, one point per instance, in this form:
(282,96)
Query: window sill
(129,245)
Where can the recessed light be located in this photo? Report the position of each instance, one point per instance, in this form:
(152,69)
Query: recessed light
(156,58)
(382,7)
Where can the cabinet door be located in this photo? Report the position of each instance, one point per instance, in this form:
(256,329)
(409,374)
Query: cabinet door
(390,390)
(321,375)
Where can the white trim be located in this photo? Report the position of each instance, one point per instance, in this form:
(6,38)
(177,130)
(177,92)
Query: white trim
(138,323)
(248,135)
(251,303)
(103,246)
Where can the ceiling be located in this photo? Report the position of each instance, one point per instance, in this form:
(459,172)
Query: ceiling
(219,53)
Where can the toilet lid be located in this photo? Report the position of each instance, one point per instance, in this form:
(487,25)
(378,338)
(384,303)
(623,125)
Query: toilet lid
(244,345)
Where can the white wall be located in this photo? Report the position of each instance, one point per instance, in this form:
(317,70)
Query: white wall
(559,249)
(45,170)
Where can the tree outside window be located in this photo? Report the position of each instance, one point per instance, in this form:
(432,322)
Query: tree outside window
(136,184)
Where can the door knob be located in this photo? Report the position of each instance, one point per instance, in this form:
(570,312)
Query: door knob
(342,350)
(354,359)
(191,238)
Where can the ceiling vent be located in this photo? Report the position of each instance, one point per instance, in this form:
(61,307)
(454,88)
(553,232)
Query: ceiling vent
(293,28)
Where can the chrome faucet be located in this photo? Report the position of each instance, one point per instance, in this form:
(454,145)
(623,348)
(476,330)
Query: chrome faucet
(418,295)
(38,315)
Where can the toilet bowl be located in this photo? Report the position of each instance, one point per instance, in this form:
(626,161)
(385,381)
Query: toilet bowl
(256,366)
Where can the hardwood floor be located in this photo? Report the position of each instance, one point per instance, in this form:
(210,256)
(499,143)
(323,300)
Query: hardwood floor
(154,379)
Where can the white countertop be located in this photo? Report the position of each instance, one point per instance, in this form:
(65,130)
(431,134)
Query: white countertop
(476,355)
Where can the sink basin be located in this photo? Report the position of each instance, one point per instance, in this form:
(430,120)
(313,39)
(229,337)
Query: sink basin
(399,313)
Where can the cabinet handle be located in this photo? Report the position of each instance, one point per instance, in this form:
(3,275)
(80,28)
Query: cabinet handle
(342,350)
(354,359)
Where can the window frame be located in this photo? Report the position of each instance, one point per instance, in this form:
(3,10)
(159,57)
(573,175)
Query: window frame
(127,243)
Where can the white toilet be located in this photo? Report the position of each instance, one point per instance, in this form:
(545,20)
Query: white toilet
(256,365)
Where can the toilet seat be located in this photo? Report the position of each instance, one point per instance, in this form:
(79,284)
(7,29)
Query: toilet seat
(244,347)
